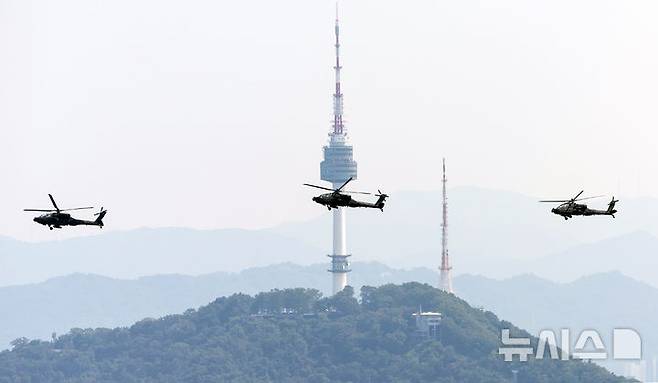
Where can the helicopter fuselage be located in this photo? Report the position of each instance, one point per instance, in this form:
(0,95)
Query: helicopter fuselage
(568,210)
(57,220)
(336,200)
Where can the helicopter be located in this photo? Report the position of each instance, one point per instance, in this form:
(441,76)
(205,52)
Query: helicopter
(569,207)
(338,198)
(55,218)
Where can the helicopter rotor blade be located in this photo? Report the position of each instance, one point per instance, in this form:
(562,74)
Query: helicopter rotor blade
(57,209)
(53,201)
(78,208)
(355,192)
(342,186)
(101,211)
(582,199)
(574,199)
(318,187)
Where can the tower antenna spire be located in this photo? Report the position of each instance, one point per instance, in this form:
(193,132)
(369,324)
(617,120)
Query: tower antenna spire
(445,282)
(339,128)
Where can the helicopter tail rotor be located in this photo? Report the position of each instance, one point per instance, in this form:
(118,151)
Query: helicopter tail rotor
(381,201)
(611,207)
(99,219)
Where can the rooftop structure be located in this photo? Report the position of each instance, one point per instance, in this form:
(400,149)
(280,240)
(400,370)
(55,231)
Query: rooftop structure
(428,324)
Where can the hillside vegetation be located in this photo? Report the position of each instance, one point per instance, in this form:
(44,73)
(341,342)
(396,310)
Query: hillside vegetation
(81,300)
(293,336)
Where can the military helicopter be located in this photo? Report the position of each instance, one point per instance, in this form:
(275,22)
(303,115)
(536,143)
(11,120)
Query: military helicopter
(338,198)
(56,219)
(569,207)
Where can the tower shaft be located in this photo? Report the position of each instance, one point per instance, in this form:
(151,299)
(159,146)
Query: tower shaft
(340,265)
(445,282)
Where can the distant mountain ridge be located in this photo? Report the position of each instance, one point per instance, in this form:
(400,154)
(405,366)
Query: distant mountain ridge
(535,302)
(634,254)
(136,253)
(495,233)
(86,300)
(602,301)
(191,252)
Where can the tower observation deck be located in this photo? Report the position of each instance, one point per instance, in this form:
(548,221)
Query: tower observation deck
(337,167)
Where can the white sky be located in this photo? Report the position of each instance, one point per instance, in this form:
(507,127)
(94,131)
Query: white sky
(211,114)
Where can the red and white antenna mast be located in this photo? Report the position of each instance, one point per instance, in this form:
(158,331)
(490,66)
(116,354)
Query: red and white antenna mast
(445,282)
(338,95)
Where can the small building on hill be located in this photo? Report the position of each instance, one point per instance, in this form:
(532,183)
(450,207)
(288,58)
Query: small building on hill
(428,324)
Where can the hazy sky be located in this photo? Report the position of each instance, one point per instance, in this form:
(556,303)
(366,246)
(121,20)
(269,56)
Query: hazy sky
(212,114)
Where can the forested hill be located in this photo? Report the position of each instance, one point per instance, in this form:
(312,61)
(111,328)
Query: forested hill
(293,336)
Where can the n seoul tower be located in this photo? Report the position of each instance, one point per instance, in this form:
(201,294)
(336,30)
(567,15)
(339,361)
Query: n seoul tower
(337,167)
